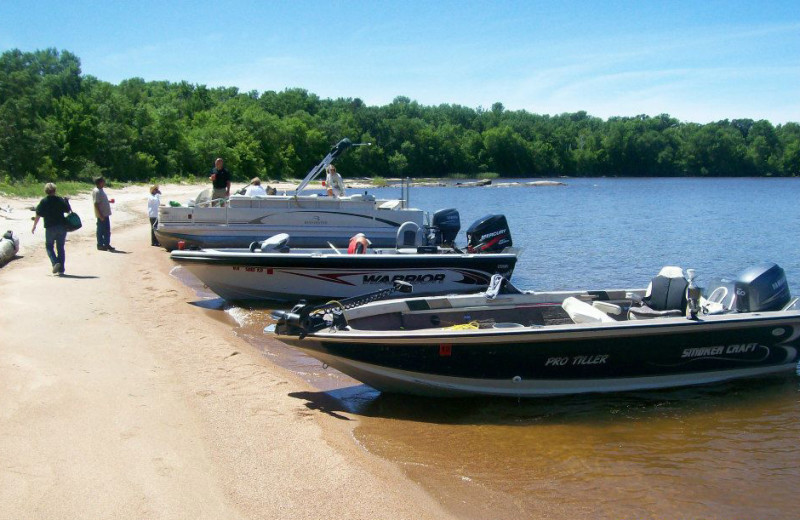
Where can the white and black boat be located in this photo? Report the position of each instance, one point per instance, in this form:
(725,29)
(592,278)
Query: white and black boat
(271,270)
(312,220)
(528,344)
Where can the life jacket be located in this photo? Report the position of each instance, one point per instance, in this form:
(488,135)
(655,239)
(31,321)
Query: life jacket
(358,245)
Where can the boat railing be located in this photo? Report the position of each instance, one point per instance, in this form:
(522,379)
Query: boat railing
(211,203)
(405,189)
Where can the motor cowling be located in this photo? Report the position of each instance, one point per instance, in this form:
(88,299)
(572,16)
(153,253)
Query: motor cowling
(762,287)
(275,244)
(489,234)
(446,225)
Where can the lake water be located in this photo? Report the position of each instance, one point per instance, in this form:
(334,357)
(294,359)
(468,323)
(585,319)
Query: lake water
(719,451)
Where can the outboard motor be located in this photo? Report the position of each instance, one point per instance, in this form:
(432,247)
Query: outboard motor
(275,244)
(446,225)
(489,234)
(760,288)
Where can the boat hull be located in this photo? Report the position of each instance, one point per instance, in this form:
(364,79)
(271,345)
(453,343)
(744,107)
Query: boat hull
(249,276)
(568,359)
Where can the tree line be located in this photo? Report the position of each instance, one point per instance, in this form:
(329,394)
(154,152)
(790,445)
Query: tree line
(58,124)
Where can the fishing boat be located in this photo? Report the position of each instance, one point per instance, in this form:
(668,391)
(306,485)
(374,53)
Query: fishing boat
(272,270)
(506,342)
(311,219)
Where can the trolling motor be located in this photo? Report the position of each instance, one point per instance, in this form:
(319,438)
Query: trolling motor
(302,319)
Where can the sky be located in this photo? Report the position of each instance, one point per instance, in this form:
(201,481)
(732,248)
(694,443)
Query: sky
(696,61)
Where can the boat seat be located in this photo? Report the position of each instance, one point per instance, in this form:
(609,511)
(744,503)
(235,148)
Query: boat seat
(665,296)
(608,308)
(717,302)
(410,235)
(581,312)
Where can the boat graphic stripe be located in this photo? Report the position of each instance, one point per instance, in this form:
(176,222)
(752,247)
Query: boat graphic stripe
(260,220)
(328,277)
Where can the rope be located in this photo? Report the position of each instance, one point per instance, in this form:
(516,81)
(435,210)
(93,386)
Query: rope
(464,326)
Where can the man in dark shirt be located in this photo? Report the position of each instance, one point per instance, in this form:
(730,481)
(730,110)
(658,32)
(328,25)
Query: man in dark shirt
(52,209)
(220,180)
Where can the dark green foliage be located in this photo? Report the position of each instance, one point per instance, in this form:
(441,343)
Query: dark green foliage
(56,124)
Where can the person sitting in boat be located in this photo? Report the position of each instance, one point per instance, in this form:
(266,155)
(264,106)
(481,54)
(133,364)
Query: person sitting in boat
(334,182)
(358,244)
(255,189)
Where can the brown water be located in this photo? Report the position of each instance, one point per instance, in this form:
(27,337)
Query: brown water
(720,451)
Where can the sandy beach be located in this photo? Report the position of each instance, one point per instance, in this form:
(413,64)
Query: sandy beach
(121,399)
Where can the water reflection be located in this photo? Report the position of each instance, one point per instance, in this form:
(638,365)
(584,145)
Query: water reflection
(598,409)
(713,452)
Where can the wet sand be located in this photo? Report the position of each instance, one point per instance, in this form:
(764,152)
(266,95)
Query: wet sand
(121,399)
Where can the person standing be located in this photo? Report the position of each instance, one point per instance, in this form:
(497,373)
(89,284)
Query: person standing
(102,210)
(220,181)
(52,209)
(153,202)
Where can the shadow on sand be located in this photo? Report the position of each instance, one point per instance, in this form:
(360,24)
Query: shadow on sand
(212,304)
(78,276)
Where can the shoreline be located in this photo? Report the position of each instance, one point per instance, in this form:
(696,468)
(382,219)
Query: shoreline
(355,183)
(119,398)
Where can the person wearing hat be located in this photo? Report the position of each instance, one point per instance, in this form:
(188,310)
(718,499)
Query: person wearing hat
(358,244)
(102,210)
(153,202)
(255,189)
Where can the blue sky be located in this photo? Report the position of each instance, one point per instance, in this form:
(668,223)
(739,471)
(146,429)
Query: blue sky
(697,61)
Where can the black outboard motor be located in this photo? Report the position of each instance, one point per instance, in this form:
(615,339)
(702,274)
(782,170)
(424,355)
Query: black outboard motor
(446,225)
(489,234)
(760,288)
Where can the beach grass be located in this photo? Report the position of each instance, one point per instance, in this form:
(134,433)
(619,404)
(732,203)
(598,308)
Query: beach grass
(379,182)
(34,189)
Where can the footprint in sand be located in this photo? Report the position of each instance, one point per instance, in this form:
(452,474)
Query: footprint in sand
(162,468)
